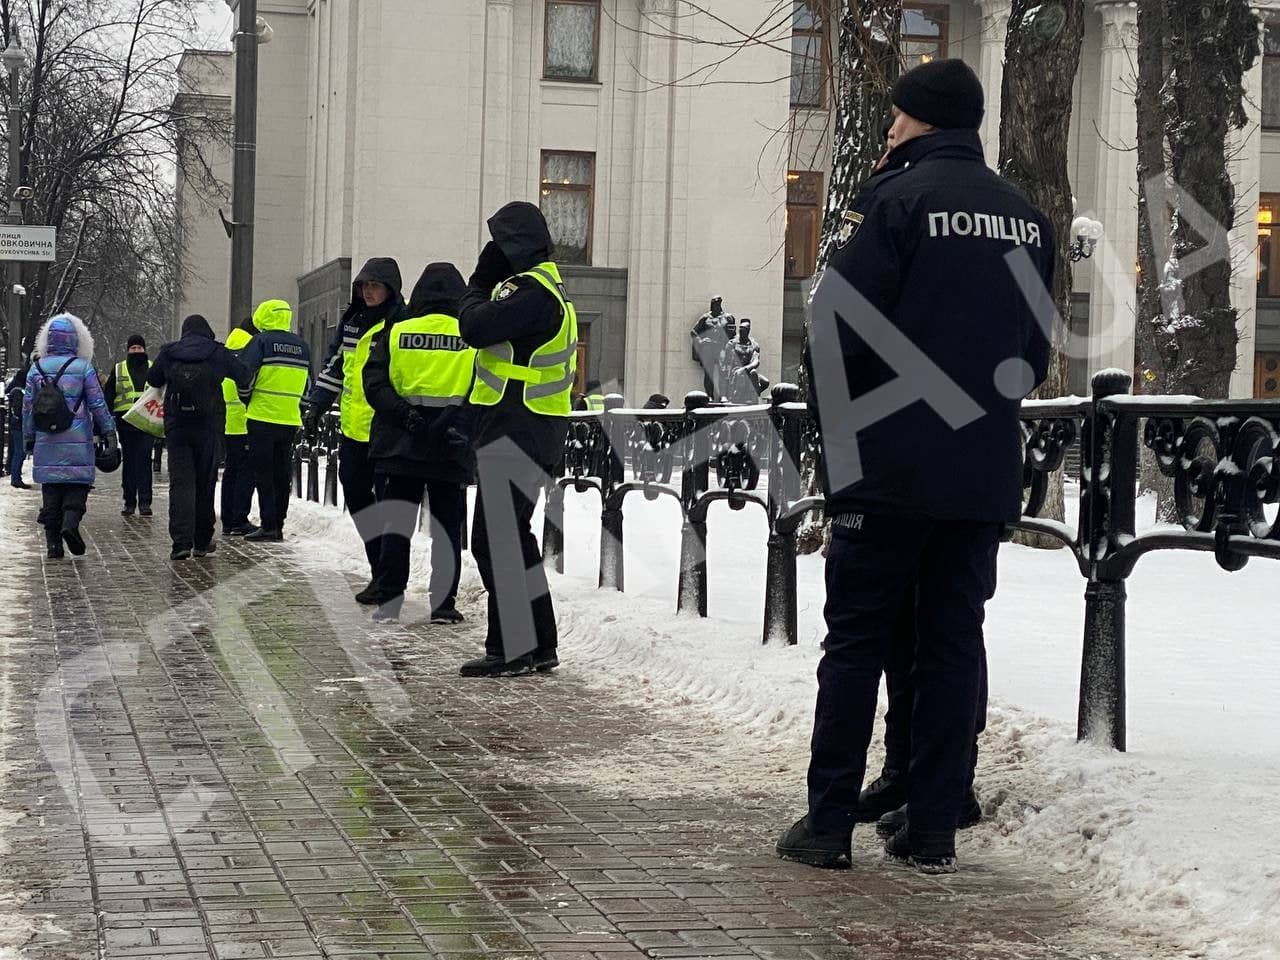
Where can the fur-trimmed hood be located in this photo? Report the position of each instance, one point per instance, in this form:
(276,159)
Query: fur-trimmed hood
(63,336)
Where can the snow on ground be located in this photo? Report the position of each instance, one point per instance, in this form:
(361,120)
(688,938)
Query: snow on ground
(1176,838)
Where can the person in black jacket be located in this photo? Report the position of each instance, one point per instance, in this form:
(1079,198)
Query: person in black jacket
(923,344)
(515,306)
(14,390)
(191,371)
(416,379)
(136,446)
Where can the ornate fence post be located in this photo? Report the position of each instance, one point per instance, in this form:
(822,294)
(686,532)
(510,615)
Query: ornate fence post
(553,522)
(694,480)
(1109,467)
(313,474)
(331,477)
(780,605)
(611,547)
(297,470)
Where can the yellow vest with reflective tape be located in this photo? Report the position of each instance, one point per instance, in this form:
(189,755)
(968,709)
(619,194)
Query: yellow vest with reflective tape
(356,414)
(431,365)
(237,424)
(595,401)
(126,394)
(549,376)
(278,390)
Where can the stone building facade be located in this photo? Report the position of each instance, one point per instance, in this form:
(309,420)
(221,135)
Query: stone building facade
(670,171)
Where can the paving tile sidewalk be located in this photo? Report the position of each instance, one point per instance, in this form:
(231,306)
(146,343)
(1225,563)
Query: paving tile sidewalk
(226,759)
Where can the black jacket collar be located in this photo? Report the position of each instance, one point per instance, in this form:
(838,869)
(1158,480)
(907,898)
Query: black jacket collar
(952,144)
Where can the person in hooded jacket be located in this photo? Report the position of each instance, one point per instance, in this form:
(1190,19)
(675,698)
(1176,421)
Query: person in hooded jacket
(279,365)
(375,302)
(417,379)
(64,462)
(124,386)
(519,318)
(14,390)
(237,469)
(190,371)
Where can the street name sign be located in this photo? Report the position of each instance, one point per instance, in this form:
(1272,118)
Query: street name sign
(21,242)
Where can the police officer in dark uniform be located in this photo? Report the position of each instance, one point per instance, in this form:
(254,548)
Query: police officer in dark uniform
(519,318)
(922,347)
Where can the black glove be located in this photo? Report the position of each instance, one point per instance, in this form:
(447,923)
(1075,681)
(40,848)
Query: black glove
(310,419)
(492,268)
(414,422)
(113,443)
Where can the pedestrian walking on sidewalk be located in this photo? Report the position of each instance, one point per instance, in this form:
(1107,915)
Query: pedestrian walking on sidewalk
(191,371)
(237,468)
(518,316)
(124,386)
(417,379)
(62,408)
(375,302)
(934,225)
(279,365)
(15,388)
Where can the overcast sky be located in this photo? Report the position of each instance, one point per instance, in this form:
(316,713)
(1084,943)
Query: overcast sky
(215,25)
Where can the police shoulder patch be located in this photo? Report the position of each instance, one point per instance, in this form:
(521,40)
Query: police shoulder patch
(849,224)
(506,290)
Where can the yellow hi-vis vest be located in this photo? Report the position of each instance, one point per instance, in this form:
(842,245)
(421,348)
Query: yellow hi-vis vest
(237,418)
(431,365)
(595,401)
(356,415)
(548,379)
(278,390)
(126,393)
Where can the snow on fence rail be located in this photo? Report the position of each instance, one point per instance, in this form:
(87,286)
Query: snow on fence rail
(1221,456)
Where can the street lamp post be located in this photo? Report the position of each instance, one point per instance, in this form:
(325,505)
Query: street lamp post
(15,60)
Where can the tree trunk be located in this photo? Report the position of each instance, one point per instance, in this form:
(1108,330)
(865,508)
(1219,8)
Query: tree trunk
(1042,56)
(1211,45)
(1153,225)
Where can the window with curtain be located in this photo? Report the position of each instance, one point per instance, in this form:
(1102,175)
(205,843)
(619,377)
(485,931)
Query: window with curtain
(567,193)
(808,56)
(804,223)
(1268,245)
(571,40)
(924,33)
(1271,77)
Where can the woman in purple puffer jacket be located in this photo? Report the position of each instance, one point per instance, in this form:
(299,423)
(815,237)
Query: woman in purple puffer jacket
(64,462)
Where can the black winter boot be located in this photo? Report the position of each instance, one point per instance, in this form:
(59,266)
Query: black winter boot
(71,532)
(495,666)
(895,820)
(802,844)
(932,853)
(544,661)
(53,540)
(887,792)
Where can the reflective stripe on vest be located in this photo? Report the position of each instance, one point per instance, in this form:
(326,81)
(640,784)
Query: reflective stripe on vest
(130,394)
(356,415)
(549,377)
(278,390)
(595,401)
(237,424)
(431,365)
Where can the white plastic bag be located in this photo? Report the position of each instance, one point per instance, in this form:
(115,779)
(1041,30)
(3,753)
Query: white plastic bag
(147,414)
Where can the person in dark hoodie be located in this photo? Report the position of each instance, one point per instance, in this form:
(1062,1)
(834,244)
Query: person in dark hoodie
(375,301)
(417,380)
(15,388)
(518,316)
(124,386)
(191,371)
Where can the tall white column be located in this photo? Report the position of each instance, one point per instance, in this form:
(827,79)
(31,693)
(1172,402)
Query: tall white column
(995,29)
(495,183)
(1244,148)
(1113,291)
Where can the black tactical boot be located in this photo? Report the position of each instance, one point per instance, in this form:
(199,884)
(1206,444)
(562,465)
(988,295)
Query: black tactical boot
(831,851)
(887,792)
(545,661)
(895,820)
(53,540)
(932,853)
(494,666)
(370,596)
(71,536)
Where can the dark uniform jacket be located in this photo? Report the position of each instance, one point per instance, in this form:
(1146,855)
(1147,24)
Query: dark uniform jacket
(926,247)
(355,323)
(443,451)
(529,317)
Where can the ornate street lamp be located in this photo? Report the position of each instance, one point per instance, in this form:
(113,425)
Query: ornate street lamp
(1085,233)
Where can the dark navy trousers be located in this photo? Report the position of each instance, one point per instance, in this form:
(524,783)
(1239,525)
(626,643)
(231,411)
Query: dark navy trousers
(874,566)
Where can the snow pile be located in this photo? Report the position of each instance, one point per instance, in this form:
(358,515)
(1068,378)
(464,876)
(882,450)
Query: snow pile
(1174,839)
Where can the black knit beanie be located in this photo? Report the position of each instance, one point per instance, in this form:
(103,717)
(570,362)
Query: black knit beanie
(136,341)
(942,93)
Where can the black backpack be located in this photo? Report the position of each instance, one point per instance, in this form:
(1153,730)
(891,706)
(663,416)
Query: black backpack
(49,410)
(191,389)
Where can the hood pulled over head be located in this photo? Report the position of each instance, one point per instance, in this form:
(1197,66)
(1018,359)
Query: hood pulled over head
(65,336)
(438,290)
(197,326)
(383,270)
(520,230)
(273,315)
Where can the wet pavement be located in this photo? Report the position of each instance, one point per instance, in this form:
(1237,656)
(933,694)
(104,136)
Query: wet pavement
(225,758)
